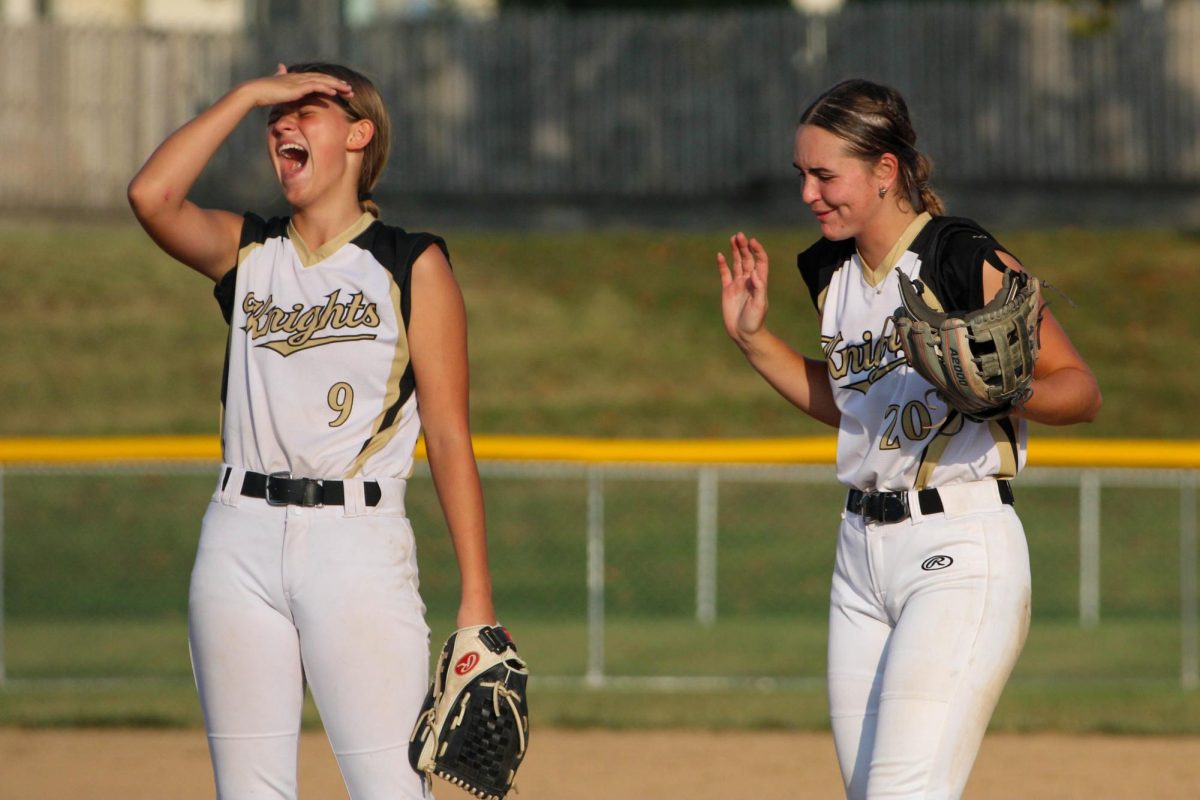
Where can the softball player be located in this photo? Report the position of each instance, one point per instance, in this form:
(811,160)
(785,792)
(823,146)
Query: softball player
(346,337)
(930,594)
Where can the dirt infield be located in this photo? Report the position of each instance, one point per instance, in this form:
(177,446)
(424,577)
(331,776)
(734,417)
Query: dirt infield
(608,765)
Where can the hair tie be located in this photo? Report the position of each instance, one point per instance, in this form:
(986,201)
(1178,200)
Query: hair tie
(364,196)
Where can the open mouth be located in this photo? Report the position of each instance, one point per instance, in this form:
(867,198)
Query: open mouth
(293,157)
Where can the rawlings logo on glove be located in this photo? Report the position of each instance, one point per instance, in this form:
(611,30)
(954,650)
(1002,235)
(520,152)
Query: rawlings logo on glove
(980,363)
(474,726)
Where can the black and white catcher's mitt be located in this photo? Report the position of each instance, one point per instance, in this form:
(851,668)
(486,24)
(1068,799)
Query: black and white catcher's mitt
(474,727)
(981,362)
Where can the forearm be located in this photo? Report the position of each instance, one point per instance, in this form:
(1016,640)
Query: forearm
(169,174)
(456,479)
(1063,397)
(803,381)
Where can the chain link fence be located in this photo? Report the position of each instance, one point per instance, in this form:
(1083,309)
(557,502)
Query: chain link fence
(667,575)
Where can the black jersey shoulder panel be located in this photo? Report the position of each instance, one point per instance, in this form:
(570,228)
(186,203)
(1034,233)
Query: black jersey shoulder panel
(952,252)
(255,230)
(397,250)
(818,263)
(224,291)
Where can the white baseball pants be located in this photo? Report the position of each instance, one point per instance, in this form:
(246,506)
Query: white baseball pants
(928,616)
(284,595)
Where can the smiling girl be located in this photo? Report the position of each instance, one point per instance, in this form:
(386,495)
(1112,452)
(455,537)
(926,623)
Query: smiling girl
(347,338)
(931,588)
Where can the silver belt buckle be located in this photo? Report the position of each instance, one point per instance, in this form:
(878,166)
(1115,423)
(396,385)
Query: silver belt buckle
(286,476)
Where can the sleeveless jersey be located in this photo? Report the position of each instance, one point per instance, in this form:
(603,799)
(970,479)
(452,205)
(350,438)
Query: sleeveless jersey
(318,380)
(896,433)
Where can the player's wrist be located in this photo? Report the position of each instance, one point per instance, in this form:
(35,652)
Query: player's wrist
(754,344)
(247,95)
(476,610)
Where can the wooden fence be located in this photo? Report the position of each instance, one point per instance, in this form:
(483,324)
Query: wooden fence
(686,106)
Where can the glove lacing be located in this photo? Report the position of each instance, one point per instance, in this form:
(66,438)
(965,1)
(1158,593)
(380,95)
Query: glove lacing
(426,717)
(499,690)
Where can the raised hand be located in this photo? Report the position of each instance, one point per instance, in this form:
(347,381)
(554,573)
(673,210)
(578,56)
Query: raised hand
(287,87)
(743,288)
(207,239)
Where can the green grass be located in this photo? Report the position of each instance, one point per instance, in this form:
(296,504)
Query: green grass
(600,334)
(117,672)
(97,569)
(99,649)
(1138,710)
(121,545)
(1148,710)
(596,334)
(782,648)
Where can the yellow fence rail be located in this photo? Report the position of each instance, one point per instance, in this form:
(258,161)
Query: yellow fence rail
(1108,462)
(1043,452)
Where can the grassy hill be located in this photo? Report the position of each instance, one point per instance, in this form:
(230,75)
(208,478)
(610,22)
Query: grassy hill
(591,334)
(595,334)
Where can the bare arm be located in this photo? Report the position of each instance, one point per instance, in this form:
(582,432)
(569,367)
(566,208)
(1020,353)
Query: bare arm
(437,335)
(801,380)
(206,239)
(1064,389)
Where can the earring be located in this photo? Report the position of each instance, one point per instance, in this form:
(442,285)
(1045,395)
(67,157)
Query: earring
(882,191)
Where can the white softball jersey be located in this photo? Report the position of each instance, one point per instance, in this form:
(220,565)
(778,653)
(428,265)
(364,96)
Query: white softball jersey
(928,611)
(895,433)
(318,383)
(318,380)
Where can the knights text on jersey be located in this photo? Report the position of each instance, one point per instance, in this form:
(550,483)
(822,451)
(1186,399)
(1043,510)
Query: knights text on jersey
(318,380)
(896,433)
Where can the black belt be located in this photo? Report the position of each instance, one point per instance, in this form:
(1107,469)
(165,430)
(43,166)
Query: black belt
(893,506)
(280,489)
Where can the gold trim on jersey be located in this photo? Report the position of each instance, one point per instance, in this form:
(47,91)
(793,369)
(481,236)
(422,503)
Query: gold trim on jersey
(309,257)
(875,275)
(400,361)
(931,456)
(245,252)
(1004,431)
(285,348)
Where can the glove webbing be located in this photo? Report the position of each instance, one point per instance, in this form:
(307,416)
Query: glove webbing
(499,692)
